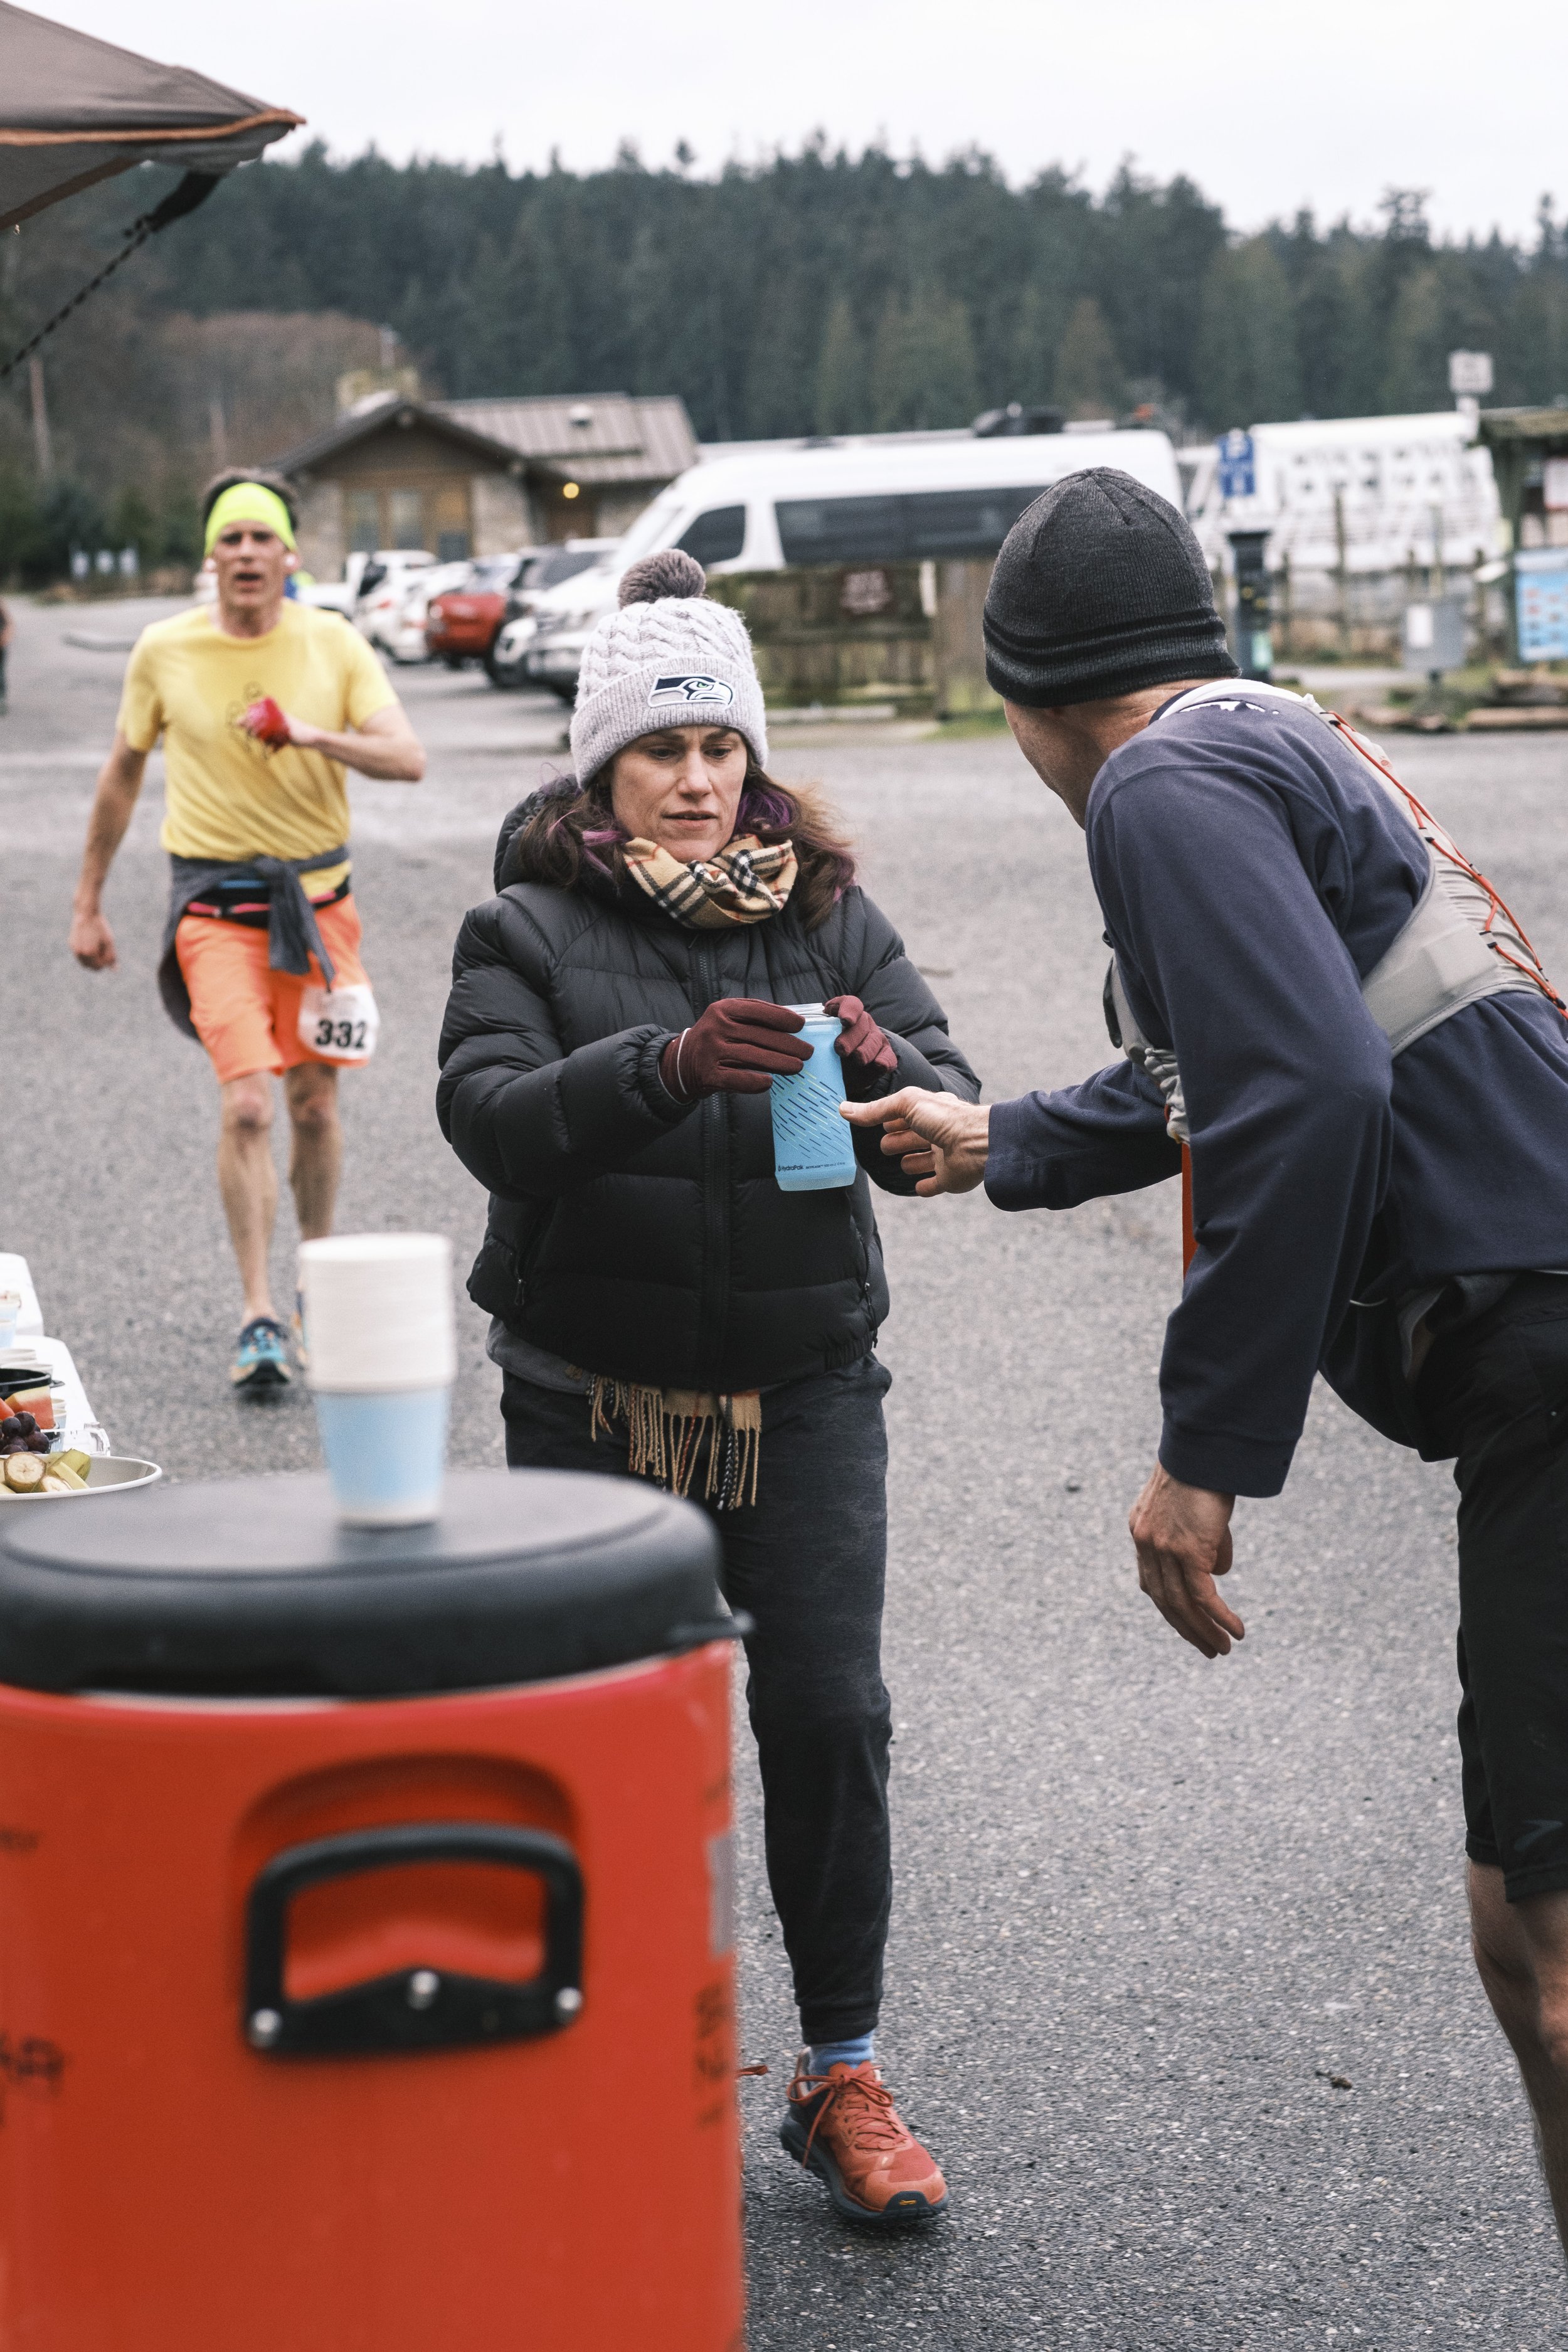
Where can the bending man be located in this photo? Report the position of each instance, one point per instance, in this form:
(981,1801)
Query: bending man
(1327,1010)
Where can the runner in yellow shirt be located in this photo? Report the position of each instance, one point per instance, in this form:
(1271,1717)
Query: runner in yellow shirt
(261,703)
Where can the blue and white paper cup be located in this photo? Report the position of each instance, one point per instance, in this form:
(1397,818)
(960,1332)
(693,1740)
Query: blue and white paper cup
(382,1338)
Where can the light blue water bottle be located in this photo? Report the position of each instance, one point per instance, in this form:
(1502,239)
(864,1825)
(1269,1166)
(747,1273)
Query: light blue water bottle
(813,1148)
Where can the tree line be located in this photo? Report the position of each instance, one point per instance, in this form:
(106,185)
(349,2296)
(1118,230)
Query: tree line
(816,293)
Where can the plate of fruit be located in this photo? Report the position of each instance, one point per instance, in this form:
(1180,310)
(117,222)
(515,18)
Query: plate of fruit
(27,1473)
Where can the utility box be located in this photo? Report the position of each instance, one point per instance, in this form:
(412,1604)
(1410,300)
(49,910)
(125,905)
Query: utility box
(1254,646)
(1434,638)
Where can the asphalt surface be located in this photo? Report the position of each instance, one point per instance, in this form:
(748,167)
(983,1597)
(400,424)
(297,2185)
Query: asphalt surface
(1178,1986)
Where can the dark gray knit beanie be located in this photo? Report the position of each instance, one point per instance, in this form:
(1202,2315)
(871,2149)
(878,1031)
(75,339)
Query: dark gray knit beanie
(1100,588)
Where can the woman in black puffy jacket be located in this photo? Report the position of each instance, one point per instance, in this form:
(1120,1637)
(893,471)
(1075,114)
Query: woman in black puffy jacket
(661,1307)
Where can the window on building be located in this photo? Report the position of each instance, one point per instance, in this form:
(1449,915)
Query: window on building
(716,537)
(405,519)
(364,523)
(446,522)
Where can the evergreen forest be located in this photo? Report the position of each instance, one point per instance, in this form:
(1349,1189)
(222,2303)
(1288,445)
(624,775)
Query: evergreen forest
(816,292)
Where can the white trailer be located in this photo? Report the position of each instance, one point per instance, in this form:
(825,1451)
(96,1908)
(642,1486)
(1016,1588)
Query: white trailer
(1358,494)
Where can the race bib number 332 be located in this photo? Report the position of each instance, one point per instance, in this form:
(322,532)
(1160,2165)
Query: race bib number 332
(339,1025)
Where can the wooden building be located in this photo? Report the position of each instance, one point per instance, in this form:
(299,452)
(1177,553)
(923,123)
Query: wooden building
(481,476)
(1530,457)
(591,464)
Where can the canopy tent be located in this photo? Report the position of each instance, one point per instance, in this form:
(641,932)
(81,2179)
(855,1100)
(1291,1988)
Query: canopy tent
(74,111)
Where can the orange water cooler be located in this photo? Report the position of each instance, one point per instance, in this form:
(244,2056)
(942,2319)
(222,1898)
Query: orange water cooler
(365,1969)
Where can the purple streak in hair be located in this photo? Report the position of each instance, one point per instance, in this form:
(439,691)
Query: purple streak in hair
(762,804)
(602,836)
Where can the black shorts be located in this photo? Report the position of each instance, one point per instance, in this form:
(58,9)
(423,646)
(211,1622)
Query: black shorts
(1495,1394)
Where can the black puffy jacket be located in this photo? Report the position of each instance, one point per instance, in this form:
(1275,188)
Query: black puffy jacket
(631,1234)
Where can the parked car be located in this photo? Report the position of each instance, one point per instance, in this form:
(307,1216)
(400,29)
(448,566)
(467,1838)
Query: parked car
(463,619)
(336,596)
(539,570)
(886,498)
(405,637)
(378,600)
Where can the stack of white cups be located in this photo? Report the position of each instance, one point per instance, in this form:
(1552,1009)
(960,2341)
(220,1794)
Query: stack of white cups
(382,1345)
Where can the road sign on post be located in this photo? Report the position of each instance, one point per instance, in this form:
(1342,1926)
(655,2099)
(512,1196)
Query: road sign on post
(1469,374)
(1238,468)
(1253,641)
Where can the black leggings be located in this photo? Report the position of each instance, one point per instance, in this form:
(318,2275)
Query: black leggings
(807,1562)
(1495,1393)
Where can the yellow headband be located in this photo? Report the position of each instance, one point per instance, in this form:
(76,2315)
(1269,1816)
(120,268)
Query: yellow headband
(249,502)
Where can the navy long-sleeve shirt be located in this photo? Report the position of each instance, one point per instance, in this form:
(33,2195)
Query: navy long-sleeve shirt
(1251,871)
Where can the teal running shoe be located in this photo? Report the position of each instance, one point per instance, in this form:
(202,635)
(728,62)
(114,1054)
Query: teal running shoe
(261,1356)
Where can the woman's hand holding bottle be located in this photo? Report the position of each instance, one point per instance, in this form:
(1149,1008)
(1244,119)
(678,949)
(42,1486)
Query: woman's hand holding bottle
(738,1048)
(870,1061)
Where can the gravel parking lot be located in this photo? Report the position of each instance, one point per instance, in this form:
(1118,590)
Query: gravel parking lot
(1178,1986)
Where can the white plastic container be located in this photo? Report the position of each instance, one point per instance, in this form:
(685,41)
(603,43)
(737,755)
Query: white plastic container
(814,1150)
(381,1340)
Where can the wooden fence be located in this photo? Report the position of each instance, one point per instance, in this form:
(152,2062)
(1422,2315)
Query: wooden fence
(905,633)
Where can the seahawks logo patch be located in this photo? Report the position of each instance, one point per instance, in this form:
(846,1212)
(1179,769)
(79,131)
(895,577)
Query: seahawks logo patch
(690,691)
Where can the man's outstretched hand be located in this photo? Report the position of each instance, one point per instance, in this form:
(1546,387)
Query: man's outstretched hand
(938,1139)
(1182,1536)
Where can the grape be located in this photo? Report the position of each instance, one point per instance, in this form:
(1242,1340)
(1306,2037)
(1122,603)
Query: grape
(36,1444)
(11,1427)
(25,1423)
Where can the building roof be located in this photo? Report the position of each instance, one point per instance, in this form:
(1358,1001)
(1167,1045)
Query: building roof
(373,415)
(596,438)
(1501,425)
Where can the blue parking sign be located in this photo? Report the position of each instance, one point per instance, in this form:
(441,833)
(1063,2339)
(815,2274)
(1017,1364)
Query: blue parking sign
(1237,472)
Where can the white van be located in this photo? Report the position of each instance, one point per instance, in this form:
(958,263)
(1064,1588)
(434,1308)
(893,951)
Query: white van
(889,500)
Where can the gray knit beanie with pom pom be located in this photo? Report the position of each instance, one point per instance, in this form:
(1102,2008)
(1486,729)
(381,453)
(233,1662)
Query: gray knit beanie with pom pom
(667,659)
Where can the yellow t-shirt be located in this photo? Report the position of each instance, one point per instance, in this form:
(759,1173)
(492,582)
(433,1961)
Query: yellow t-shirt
(226,795)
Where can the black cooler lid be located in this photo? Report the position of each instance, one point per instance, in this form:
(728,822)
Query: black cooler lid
(250,1588)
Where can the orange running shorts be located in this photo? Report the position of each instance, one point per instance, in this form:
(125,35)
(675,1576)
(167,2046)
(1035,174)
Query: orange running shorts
(246,1015)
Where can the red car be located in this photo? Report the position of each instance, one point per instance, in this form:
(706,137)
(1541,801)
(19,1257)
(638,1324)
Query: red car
(463,623)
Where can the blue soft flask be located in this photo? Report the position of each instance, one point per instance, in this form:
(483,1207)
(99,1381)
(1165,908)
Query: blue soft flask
(813,1148)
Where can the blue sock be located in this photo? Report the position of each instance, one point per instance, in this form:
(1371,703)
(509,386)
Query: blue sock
(824,2055)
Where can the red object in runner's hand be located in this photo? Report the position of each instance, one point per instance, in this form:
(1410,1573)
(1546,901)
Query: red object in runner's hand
(267,723)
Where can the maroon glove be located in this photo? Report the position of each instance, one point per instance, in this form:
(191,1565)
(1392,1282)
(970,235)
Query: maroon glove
(870,1061)
(738,1047)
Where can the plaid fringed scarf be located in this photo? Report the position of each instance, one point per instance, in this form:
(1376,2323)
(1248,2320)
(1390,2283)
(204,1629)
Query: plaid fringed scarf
(668,1428)
(745,883)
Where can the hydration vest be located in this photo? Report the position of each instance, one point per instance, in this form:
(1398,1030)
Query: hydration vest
(1461,942)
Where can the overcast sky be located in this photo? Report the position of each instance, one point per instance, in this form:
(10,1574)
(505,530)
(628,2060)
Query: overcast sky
(1267,107)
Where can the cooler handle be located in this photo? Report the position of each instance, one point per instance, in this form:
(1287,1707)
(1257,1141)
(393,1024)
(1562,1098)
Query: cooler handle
(419,2008)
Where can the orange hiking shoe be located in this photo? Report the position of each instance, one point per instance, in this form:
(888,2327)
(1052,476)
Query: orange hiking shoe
(842,2125)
